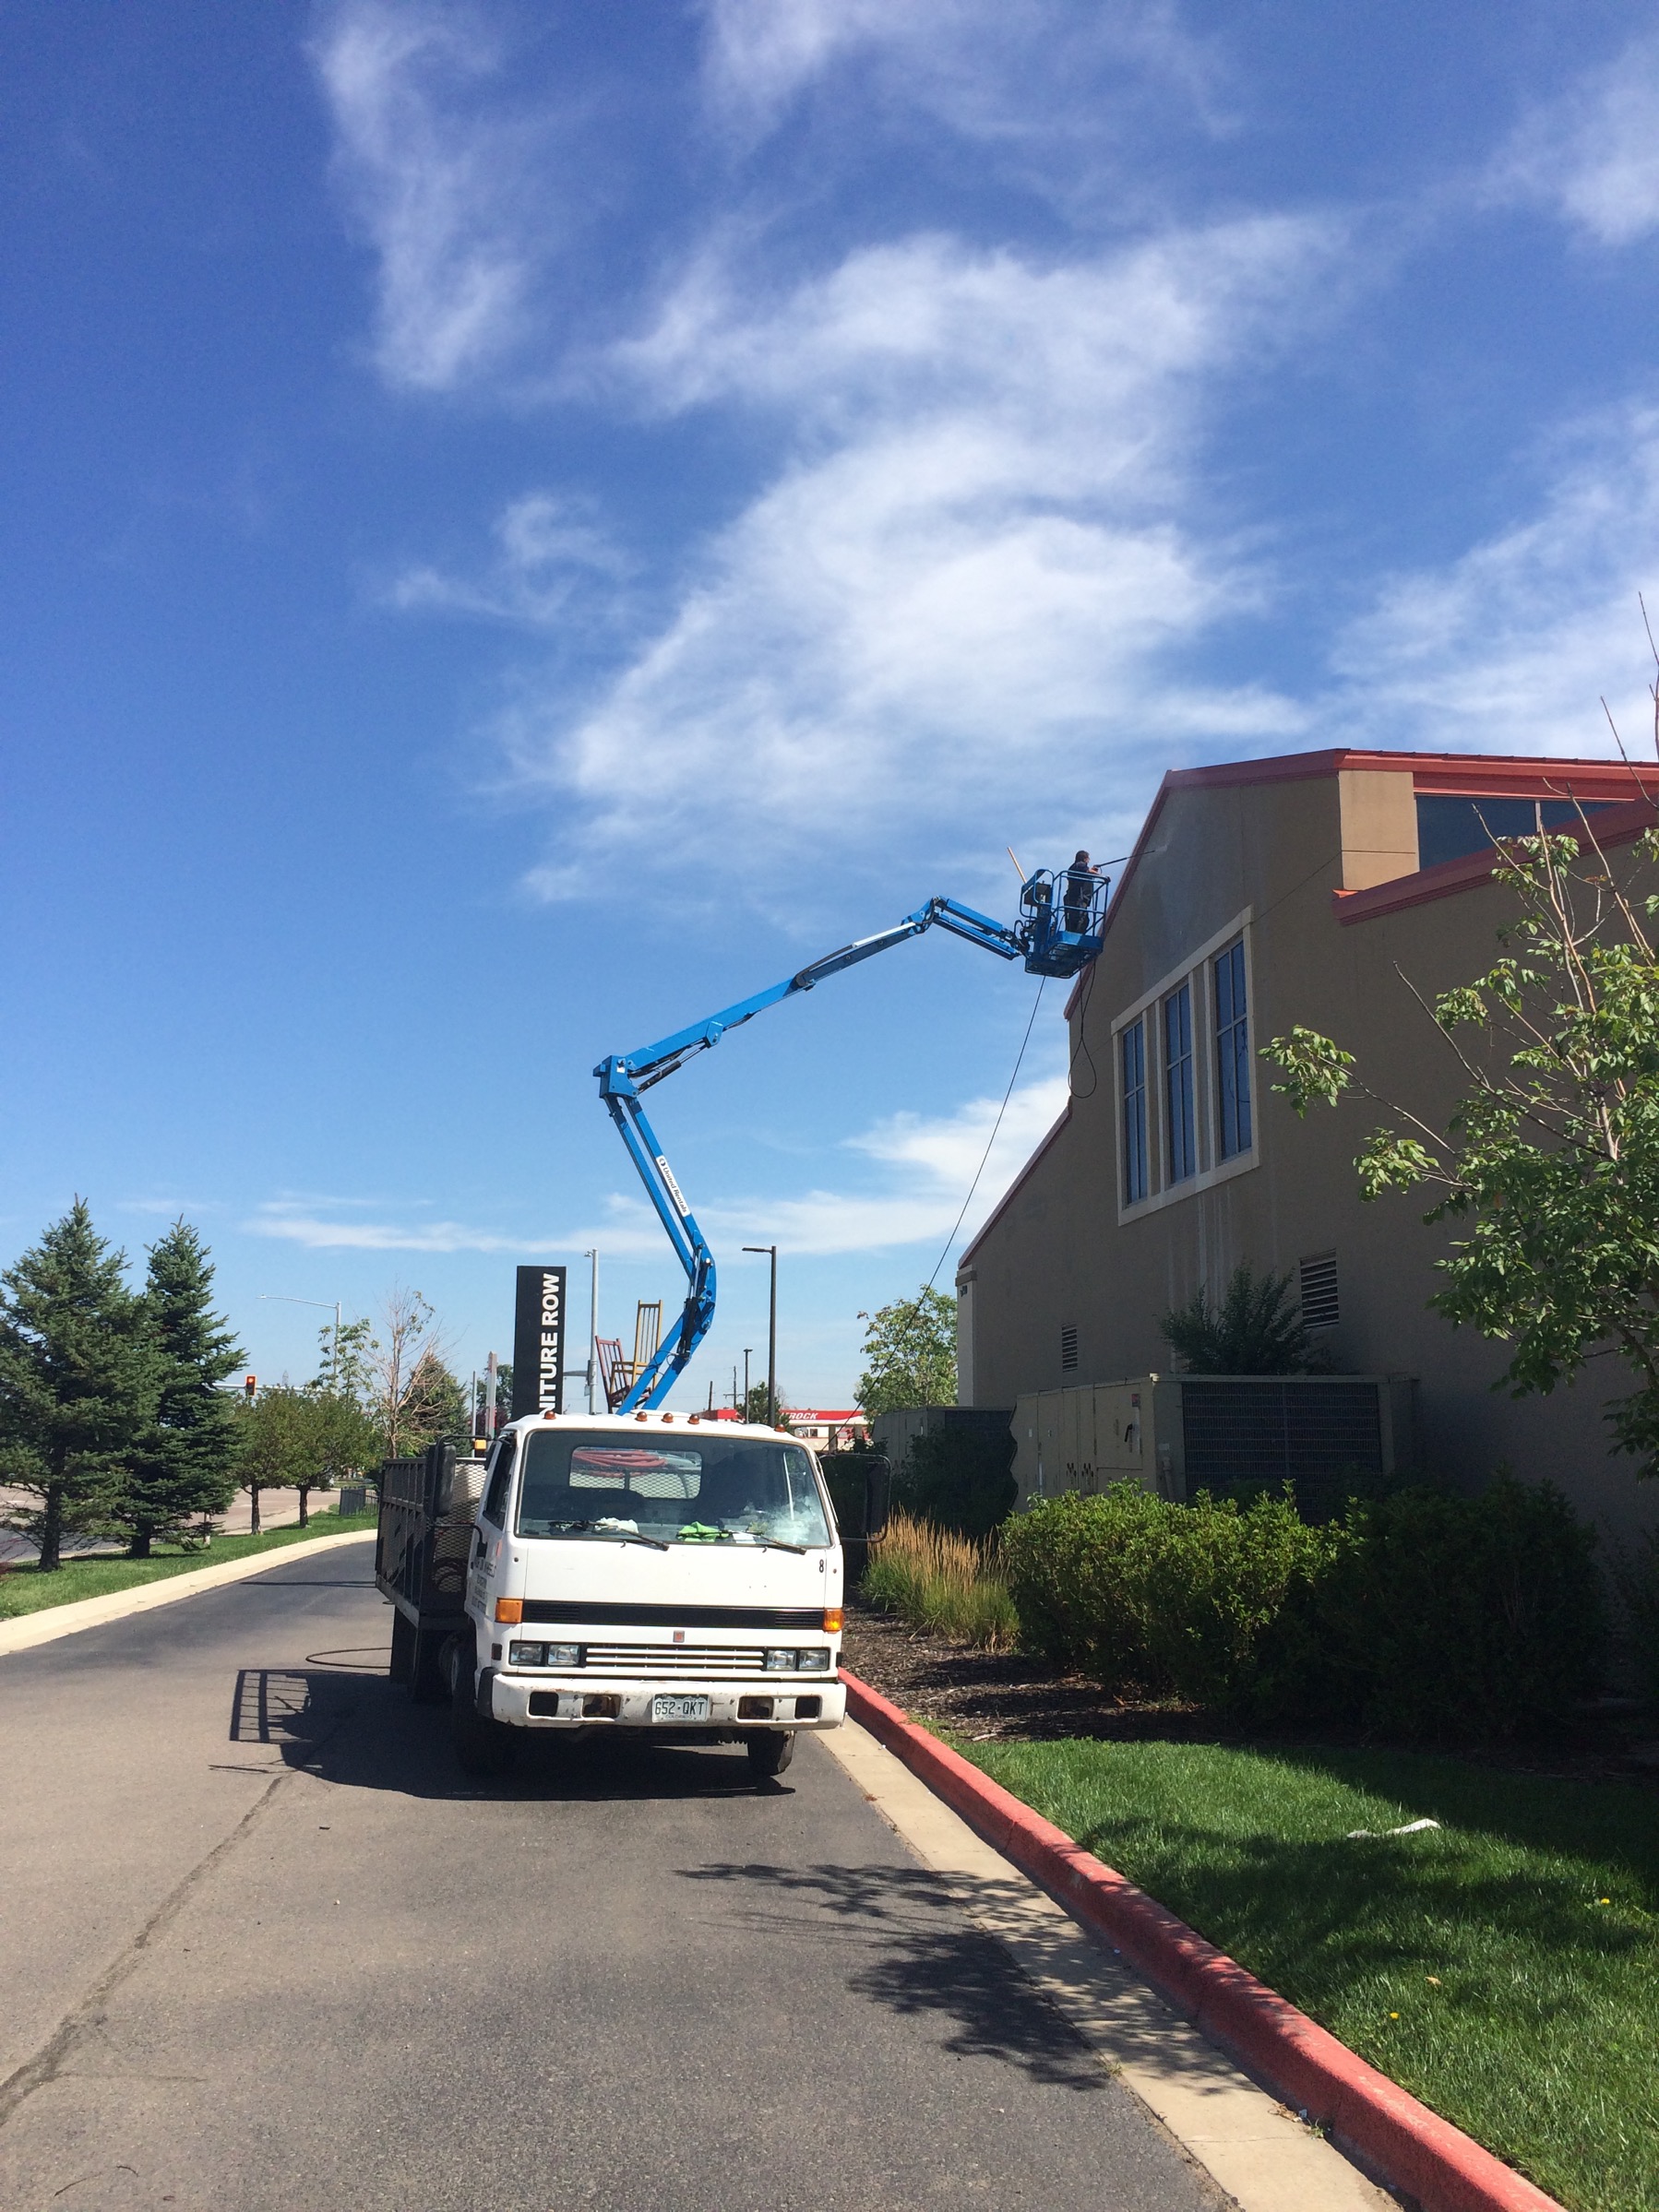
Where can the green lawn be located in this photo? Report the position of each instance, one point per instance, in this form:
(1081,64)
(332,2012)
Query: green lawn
(26,1590)
(1505,1968)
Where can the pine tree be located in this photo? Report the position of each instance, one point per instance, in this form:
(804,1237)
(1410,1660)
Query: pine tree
(185,1469)
(78,1381)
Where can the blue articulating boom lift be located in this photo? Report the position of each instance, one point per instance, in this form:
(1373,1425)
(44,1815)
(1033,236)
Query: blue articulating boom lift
(1058,933)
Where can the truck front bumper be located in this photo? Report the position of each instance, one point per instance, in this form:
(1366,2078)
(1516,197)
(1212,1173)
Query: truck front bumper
(600,1701)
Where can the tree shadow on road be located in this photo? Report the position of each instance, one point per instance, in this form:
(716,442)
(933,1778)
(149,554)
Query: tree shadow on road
(919,1955)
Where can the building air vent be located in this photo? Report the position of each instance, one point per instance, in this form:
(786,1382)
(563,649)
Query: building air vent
(1068,1350)
(1320,1309)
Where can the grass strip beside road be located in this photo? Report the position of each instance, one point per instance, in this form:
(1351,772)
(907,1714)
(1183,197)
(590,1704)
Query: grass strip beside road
(24,1590)
(1503,1968)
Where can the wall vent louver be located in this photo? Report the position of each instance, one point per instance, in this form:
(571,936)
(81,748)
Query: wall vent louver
(1320,1305)
(1068,1350)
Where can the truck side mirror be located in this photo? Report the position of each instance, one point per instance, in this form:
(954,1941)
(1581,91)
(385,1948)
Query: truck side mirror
(877,1496)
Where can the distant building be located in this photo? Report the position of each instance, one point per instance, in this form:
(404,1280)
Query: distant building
(1322,889)
(825,1429)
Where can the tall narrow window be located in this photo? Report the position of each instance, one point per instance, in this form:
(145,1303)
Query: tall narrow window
(1231,1053)
(1133,1048)
(1177,1083)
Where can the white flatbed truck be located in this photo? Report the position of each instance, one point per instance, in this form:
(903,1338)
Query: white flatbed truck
(667,1575)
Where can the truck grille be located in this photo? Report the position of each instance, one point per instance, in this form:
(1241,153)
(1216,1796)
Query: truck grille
(724,1663)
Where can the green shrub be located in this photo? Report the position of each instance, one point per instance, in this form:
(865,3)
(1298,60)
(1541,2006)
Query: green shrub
(1443,1616)
(1420,1615)
(1635,1577)
(958,1478)
(1148,1596)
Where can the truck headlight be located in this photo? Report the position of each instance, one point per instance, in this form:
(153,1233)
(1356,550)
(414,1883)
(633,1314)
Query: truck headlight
(815,1662)
(780,1662)
(527,1654)
(562,1655)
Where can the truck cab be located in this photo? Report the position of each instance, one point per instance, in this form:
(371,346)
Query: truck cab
(665,1575)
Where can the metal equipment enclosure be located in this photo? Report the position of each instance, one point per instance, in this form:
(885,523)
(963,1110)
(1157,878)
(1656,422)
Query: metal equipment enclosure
(1176,1435)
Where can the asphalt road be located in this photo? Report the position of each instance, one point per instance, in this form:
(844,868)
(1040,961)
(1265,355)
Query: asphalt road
(265,1947)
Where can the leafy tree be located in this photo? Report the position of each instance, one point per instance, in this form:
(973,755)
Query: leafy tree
(1253,1331)
(277,1443)
(1551,1155)
(755,1409)
(184,1467)
(78,1380)
(909,1354)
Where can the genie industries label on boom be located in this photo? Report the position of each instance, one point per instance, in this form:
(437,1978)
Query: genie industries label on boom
(539,1343)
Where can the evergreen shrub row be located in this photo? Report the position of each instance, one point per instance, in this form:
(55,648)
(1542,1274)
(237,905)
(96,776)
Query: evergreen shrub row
(1420,1615)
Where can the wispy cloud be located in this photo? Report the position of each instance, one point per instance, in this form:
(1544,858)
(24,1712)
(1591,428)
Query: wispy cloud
(1593,152)
(983,570)
(446,178)
(547,548)
(1512,646)
(1053,88)
(921,1169)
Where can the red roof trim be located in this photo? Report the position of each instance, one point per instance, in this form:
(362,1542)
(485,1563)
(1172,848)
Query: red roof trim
(995,1215)
(1474,775)
(1446,878)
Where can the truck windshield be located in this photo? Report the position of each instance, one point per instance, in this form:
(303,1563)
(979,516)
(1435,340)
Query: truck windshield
(704,1489)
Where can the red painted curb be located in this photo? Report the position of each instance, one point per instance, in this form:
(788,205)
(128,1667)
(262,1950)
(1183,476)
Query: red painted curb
(1418,2152)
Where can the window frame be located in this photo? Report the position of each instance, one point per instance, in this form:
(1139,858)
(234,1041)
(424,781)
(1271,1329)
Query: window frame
(1135,1158)
(1195,971)
(1179,1052)
(1232,1051)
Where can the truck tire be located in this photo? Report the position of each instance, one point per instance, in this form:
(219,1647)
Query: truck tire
(427,1684)
(483,1748)
(771,1754)
(401,1665)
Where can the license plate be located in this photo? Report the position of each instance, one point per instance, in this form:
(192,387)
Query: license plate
(679,1708)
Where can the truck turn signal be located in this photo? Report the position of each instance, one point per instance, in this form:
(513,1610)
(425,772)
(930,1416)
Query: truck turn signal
(832,1619)
(509,1611)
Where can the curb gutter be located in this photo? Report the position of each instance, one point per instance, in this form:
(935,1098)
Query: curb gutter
(1367,2115)
(26,1630)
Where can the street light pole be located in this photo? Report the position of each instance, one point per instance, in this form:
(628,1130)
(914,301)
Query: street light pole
(280,1298)
(747,1349)
(771,1340)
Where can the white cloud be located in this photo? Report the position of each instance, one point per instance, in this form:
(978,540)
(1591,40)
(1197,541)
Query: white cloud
(925,1166)
(1510,648)
(442,179)
(976,590)
(1038,78)
(1594,153)
(546,549)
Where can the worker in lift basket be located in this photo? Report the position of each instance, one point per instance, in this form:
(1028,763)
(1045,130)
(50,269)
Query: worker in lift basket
(1079,894)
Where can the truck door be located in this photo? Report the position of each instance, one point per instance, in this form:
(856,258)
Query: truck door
(491,1554)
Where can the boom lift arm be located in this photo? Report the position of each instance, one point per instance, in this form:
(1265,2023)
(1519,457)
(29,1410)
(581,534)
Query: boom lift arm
(1057,933)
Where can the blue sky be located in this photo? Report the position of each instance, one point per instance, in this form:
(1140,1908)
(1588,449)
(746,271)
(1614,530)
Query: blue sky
(522,523)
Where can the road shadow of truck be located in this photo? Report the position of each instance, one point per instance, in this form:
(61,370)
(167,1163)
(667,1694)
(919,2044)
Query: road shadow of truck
(340,1717)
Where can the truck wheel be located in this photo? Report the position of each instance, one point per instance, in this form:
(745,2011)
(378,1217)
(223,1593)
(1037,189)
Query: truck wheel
(483,1748)
(401,1665)
(426,1684)
(771,1754)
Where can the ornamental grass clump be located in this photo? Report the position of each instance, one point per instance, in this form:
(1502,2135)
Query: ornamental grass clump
(949,1583)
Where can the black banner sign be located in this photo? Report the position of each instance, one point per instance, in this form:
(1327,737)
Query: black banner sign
(539,1343)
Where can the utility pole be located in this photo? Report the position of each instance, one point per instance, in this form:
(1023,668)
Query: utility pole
(492,1375)
(771,1340)
(747,1349)
(592,1324)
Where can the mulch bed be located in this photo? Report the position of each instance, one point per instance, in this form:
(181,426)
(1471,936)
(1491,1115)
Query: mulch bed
(985,1696)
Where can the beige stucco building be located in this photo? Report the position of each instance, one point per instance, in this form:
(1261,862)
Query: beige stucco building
(1319,889)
